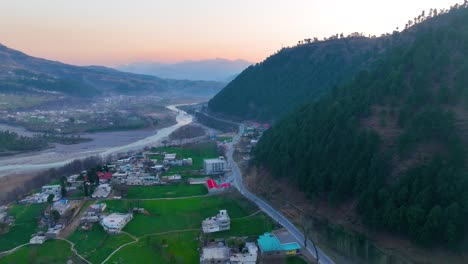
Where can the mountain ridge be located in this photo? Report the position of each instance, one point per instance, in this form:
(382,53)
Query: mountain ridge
(218,69)
(20,72)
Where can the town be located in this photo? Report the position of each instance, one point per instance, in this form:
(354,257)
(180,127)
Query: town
(142,200)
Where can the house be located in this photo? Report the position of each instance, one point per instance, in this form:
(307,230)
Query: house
(217,223)
(37,240)
(214,166)
(247,256)
(53,232)
(104,177)
(56,190)
(197,180)
(214,186)
(271,246)
(170,156)
(114,223)
(214,254)
(172,178)
(61,206)
(97,208)
(102,191)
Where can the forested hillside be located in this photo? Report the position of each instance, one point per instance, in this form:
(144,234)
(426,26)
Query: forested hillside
(293,76)
(394,139)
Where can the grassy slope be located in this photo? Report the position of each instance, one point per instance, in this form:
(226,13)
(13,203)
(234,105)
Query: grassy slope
(52,251)
(25,225)
(96,245)
(181,247)
(170,216)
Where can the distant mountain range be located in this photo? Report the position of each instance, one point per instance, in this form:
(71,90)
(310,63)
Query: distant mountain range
(21,73)
(220,70)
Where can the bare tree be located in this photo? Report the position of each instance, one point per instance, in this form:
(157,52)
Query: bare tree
(306,225)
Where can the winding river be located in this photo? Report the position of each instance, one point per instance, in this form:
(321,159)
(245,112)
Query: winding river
(103,144)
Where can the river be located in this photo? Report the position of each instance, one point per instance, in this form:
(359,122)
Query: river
(103,144)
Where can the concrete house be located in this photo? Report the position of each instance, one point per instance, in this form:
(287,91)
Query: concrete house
(217,223)
(214,166)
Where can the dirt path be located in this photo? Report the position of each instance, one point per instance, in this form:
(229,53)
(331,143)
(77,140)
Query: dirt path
(138,239)
(75,222)
(4,253)
(74,250)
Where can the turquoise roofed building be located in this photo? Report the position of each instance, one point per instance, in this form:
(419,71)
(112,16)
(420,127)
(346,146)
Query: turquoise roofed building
(270,245)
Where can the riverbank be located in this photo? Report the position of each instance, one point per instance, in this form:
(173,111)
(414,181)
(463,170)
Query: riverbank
(103,145)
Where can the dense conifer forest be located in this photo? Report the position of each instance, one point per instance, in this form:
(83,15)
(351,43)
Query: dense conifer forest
(393,139)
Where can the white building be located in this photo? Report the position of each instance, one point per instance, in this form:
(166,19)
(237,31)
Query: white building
(37,240)
(114,223)
(102,191)
(217,223)
(249,257)
(170,157)
(56,190)
(214,166)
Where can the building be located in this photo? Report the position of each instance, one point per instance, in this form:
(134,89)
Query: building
(102,191)
(214,166)
(56,190)
(247,256)
(171,178)
(53,232)
(271,246)
(170,156)
(114,223)
(104,177)
(37,240)
(61,206)
(214,186)
(220,222)
(214,254)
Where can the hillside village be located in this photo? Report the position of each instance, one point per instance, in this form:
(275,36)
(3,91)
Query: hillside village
(111,201)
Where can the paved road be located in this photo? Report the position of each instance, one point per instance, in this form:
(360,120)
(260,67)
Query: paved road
(272,212)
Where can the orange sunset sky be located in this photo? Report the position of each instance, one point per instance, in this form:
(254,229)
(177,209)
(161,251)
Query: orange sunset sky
(114,32)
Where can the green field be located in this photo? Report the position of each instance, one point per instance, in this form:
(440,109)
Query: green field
(24,226)
(52,251)
(248,226)
(180,247)
(96,245)
(180,214)
(171,225)
(166,191)
(197,152)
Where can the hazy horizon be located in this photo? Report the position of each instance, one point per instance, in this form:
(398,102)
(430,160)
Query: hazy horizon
(119,32)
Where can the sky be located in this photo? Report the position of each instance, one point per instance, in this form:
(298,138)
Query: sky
(116,32)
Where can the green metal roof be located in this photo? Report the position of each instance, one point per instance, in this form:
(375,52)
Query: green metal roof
(269,242)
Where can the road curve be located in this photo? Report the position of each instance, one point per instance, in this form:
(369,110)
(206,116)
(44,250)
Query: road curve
(236,177)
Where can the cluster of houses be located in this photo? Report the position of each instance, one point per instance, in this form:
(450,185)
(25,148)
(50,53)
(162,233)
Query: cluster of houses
(218,251)
(111,223)
(44,194)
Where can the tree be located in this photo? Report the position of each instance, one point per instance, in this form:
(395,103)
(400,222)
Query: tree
(50,198)
(55,215)
(306,225)
(63,185)
(85,189)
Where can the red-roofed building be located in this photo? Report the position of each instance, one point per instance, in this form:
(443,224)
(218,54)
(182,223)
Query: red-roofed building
(213,186)
(104,177)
